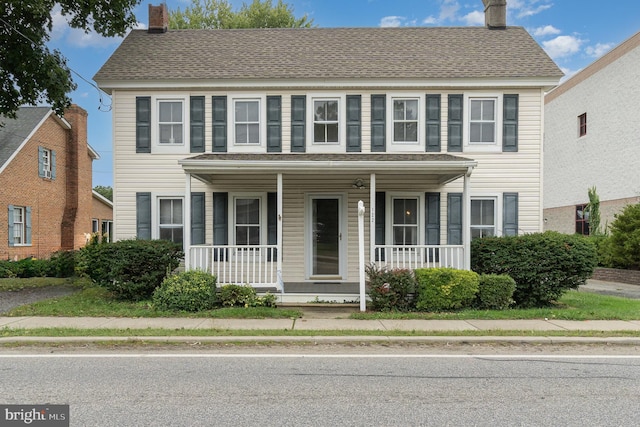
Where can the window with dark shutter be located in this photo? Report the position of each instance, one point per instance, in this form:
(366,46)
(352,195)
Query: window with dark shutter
(510,123)
(510,214)
(433,123)
(196,116)
(274,124)
(298,120)
(454,218)
(378,123)
(143,215)
(143,124)
(198,230)
(354,123)
(219,112)
(454,123)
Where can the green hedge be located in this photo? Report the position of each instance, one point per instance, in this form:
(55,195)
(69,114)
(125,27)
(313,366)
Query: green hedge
(189,291)
(445,288)
(391,290)
(244,296)
(60,264)
(495,292)
(130,269)
(543,265)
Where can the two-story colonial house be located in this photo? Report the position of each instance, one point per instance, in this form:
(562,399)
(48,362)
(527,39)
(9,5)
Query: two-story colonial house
(253,147)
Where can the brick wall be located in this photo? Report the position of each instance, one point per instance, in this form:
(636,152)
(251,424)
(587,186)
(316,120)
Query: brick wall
(631,277)
(51,218)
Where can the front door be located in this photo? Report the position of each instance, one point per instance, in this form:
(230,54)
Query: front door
(325,237)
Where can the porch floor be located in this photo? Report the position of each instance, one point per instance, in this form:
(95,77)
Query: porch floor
(315,288)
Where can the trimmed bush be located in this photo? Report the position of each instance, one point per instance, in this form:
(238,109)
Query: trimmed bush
(62,264)
(187,291)
(130,269)
(24,268)
(625,238)
(391,290)
(495,292)
(442,289)
(543,265)
(244,296)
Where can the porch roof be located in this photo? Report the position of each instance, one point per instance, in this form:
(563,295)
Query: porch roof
(445,166)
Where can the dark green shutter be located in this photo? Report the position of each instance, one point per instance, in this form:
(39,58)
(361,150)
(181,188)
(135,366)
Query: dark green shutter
(143,124)
(41,162)
(274,124)
(354,123)
(196,116)
(378,123)
(220,224)
(298,120)
(510,214)
(454,219)
(272,222)
(53,164)
(143,215)
(510,123)
(197,219)
(433,123)
(219,112)
(380,223)
(454,123)
(10,222)
(432,209)
(27,222)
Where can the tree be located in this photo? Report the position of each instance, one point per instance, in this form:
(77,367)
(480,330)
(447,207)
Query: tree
(625,238)
(105,191)
(593,208)
(30,73)
(212,14)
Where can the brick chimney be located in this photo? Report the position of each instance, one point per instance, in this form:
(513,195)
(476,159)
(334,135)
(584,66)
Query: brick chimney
(495,14)
(158,18)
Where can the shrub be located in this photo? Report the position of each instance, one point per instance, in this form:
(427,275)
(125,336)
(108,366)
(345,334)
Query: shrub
(391,290)
(244,296)
(130,269)
(543,265)
(189,291)
(445,288)
(625,238)
(62,264)
(495,292)
(24,268)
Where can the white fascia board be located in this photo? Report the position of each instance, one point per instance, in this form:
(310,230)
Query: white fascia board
(543,82)
(103,199)
(257,166)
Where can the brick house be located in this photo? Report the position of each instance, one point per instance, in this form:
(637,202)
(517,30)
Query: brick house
(253,148)
(591,139)
(45,182)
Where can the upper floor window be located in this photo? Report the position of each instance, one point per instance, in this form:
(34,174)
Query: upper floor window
(482,121)
(483,218)
(582,220)
(171,224)
(46,163)
(171,122)
(582,124)
(325,121)
(405,120)
(247,121)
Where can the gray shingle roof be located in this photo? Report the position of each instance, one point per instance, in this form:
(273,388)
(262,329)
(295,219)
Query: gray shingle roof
(329,53)
(15,131)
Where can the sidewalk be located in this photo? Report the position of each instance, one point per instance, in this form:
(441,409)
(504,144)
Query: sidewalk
(324,324)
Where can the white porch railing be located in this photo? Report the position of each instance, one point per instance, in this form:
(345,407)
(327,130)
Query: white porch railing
(423,256)
(238,265)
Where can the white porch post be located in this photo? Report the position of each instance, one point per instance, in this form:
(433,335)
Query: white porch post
(279,234)
(466,220)
(186,240)
(363,301)
(372,218)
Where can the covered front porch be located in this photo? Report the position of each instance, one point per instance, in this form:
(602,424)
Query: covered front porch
(305,241)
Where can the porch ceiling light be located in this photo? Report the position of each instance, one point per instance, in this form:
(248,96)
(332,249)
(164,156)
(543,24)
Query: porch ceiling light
(358,183)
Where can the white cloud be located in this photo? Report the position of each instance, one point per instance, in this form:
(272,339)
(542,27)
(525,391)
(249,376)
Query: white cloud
(474,18)
(547,30)
(449,10)
(392,21)
(430,20)
(522,8)
(562,46)
(599,49)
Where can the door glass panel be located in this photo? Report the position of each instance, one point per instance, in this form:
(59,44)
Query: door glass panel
(325,237)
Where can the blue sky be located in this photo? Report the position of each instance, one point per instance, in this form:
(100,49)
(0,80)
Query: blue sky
(573,32)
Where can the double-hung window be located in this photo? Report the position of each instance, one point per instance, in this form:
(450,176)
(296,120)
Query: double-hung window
(171,122)
(326,124)
(19,225)
(171,224)
(247,221)
(582,219)
(483,218)
(405,120)
(405,221)
(247,121)
(46,162)
(482,121)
